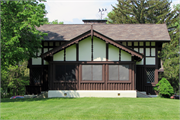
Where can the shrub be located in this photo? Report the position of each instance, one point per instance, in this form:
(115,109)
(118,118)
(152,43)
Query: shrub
(164,88)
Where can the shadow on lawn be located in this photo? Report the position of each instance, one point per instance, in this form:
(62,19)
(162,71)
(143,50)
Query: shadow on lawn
(30,99)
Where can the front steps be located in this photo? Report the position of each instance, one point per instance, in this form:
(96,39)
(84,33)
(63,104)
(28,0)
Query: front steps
(142,94)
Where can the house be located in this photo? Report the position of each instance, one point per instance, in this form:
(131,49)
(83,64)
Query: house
(97,59)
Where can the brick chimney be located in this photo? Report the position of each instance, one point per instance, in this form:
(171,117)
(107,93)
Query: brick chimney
(94,21)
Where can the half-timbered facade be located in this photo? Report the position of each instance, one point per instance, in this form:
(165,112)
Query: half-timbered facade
(98,57)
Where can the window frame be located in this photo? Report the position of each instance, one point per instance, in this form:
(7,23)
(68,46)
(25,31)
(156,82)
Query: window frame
(120,81)
(92,81)
(68,81)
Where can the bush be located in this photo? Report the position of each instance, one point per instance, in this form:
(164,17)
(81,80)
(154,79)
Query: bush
(164,88)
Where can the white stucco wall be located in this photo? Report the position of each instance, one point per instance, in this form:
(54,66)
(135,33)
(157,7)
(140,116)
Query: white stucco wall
(140,62)
(150,60)
(45,62)
(113,53)
(59,56)
(99,49)
(71,53)
(125,56)
(85,49)
(36,61)
(141,50)
(45,50)
(136,49)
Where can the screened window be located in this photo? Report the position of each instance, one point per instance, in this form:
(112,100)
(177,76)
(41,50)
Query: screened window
(65,72)
(92,72)
(150,75)
(36,75)
(118,72)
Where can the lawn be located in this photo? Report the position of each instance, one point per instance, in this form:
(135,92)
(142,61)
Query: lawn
(90,108)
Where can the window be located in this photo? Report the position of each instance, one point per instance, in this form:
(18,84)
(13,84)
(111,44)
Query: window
(36,75)
(45,43)
(50,43)
(65,72)
(92,72)
(150,51)
(118,72)
(150,75)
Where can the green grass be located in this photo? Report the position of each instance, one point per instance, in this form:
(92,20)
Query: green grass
(90,108)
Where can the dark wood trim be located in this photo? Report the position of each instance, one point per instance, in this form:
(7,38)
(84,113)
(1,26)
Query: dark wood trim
(64,81)
(92,62)
(65,54)
(91,81)
(118,81)
(119,55)
(106,77)
(77,52)
(144,53)
(107,52)
(91,48)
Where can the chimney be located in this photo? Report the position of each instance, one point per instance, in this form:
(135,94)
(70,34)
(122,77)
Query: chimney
(94,21)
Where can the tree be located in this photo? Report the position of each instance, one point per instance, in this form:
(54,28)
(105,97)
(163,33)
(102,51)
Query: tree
(140,11)
(170,52)
(55,22)
(164,88)
(19,38)
(14,79)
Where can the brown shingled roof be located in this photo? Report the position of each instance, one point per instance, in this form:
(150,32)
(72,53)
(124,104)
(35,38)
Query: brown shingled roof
(118,32)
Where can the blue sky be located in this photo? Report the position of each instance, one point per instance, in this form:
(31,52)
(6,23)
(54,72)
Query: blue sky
(73,11)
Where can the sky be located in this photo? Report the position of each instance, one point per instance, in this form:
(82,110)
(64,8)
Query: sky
(74,11)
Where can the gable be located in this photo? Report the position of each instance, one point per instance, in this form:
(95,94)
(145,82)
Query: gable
(85,48)
(93,44)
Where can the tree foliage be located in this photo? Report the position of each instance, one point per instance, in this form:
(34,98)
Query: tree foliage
(170,52)
(164,88)
(19,38)
(140,11)
(14,79)
(55,22)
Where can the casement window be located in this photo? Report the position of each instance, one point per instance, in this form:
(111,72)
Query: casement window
(150,51)
(36,75)
(150,75)
(92,72)
(65,72)
(119,72)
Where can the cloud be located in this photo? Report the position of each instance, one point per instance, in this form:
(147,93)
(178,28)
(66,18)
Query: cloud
(74,11)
